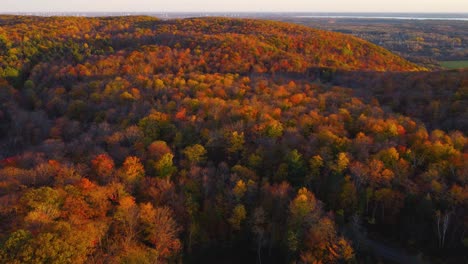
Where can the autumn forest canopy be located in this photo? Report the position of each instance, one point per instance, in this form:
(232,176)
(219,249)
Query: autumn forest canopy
(215,140)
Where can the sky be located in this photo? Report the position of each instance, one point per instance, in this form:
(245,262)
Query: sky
(438,6)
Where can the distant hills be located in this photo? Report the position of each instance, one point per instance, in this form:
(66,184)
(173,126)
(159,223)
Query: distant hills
(215,44)
(297,47)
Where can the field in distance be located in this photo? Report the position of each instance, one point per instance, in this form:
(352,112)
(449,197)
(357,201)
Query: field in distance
(454,64)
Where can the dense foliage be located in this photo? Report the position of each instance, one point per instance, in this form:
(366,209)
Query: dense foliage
(136,140)
(425,41)
(439,98)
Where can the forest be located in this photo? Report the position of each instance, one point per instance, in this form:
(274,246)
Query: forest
(434,43)
(216,140)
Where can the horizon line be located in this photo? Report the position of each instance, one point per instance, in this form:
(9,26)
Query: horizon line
(261,12)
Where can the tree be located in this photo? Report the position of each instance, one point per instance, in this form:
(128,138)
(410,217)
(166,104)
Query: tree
(274,129)
(378,174)
(236,142)
(296,167)
(60,244)
(324,246)
(195,154)
(5,45)
(304,210)
(150,126)
(11,73)
(239,214)
(165,167)
(312,236)
(259,229)
(43,205)
(389,157)
(360,173)
(15,248)
(132,170)
(158,149)
(160,230)
(239,190)
(126,219)
(315,166)
(442,223)
(50,248)
(103,168)
(156,125)
(348,196)
(342,163)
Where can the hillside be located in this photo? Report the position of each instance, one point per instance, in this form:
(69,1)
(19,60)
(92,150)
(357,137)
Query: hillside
(136,140)
(437,98)
(209,45)
(275,46)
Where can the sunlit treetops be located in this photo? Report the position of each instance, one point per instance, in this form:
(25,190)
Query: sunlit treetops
(135,140)
(213,44)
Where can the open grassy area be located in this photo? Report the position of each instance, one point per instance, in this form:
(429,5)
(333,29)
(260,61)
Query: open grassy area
(454,64)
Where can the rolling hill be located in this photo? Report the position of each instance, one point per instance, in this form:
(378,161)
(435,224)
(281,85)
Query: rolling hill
(209,45)
(138,140)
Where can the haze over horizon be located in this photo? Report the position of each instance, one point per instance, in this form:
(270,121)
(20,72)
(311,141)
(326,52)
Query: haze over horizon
(416,6)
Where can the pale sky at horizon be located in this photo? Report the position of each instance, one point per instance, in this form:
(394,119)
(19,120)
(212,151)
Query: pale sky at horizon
(436,6)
